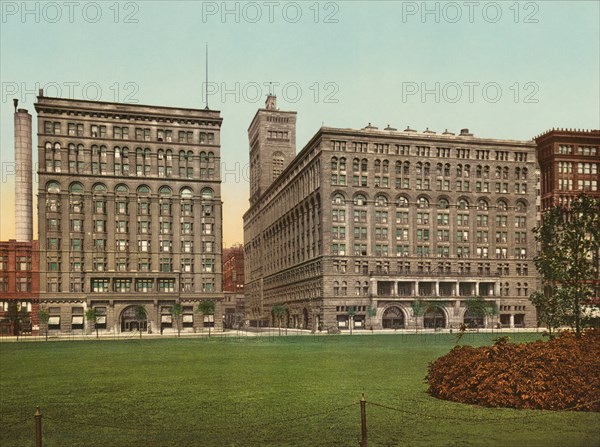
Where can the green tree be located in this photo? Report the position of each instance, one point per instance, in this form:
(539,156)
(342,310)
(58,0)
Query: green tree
(207,308)
(140,316)
(371,312)
(176,312)
(419,307)
(279,311)
(44,317)
(568,262)
(351,314)
(480,308)
(16,315)
(92,315)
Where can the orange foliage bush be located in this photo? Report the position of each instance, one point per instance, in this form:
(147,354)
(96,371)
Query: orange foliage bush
(559,374)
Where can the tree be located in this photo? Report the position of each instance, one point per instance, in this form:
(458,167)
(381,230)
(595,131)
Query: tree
(419,307)
(478,307)
(351,313)
(16,314)
(176,312)
(279,311)
(92,315)
(207,308)
(568,262)
(44,317)
(371,312)
(140,315)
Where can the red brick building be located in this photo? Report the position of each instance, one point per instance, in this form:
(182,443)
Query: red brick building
(569,164)
(233,269)
(19,283)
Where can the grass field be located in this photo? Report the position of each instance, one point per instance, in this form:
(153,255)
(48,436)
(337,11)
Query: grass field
(263,391)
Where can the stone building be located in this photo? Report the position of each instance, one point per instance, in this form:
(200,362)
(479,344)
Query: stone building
(361,224)
(129,213)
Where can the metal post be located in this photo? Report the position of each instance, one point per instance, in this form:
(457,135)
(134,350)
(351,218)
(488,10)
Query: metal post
(38,427)
(363,421)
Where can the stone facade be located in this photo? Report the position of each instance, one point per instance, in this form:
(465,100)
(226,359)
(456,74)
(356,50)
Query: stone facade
(129,214)
(370,221)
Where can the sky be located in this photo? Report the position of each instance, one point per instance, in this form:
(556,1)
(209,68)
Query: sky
(506,69)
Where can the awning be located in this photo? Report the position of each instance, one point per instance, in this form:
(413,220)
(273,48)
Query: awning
(101,320)
(52,321)
(77,319)
(165,318)
(188,318)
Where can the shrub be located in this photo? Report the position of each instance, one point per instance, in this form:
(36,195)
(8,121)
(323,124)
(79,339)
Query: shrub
(559,374)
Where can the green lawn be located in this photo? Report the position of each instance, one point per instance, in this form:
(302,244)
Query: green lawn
(266,391)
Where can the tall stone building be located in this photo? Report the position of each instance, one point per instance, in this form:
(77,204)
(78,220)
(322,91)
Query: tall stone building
(363,223)
(129,213)
(569,162)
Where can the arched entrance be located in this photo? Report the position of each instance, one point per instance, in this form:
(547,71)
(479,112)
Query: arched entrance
(393,318)
(305,318)
(473,320)
(129,322)
(434,318)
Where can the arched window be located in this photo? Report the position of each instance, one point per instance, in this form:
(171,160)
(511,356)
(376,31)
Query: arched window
(482,205)
(76,188)
(121,189)
(164,191)
(463,204)
(521,206)
(338,199)
(502,206)
(143,189)
(334,163)
(181,156)
(355,164)
(381,200)
(364,164)
(360,200)
(443,204)
(207,194)
(99,188)
(186,193)
(423,202)
(342,164)
(53,187)
(402,202)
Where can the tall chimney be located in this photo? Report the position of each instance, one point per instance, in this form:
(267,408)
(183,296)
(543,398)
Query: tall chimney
(23,180)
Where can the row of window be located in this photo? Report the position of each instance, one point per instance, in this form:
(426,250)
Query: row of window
(441,251)
(123,133)
(424,151)
(567,149)
(423,234)
(53,187)
(403,267)
(360,199)
(425,184)
(143,246)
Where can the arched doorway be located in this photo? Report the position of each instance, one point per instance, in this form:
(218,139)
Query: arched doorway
(305,318)
(434,318)
(473,320)
(129,322)
(393,318)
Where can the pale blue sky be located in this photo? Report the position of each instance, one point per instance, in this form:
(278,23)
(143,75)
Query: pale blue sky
(365,62)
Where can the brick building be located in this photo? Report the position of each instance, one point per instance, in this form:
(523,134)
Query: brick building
(569,162)
(19,283)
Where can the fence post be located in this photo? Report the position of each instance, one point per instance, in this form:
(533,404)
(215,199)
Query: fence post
(363,421)
(38,427)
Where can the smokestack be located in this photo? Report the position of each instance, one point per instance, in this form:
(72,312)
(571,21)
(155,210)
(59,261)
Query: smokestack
(23,180)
